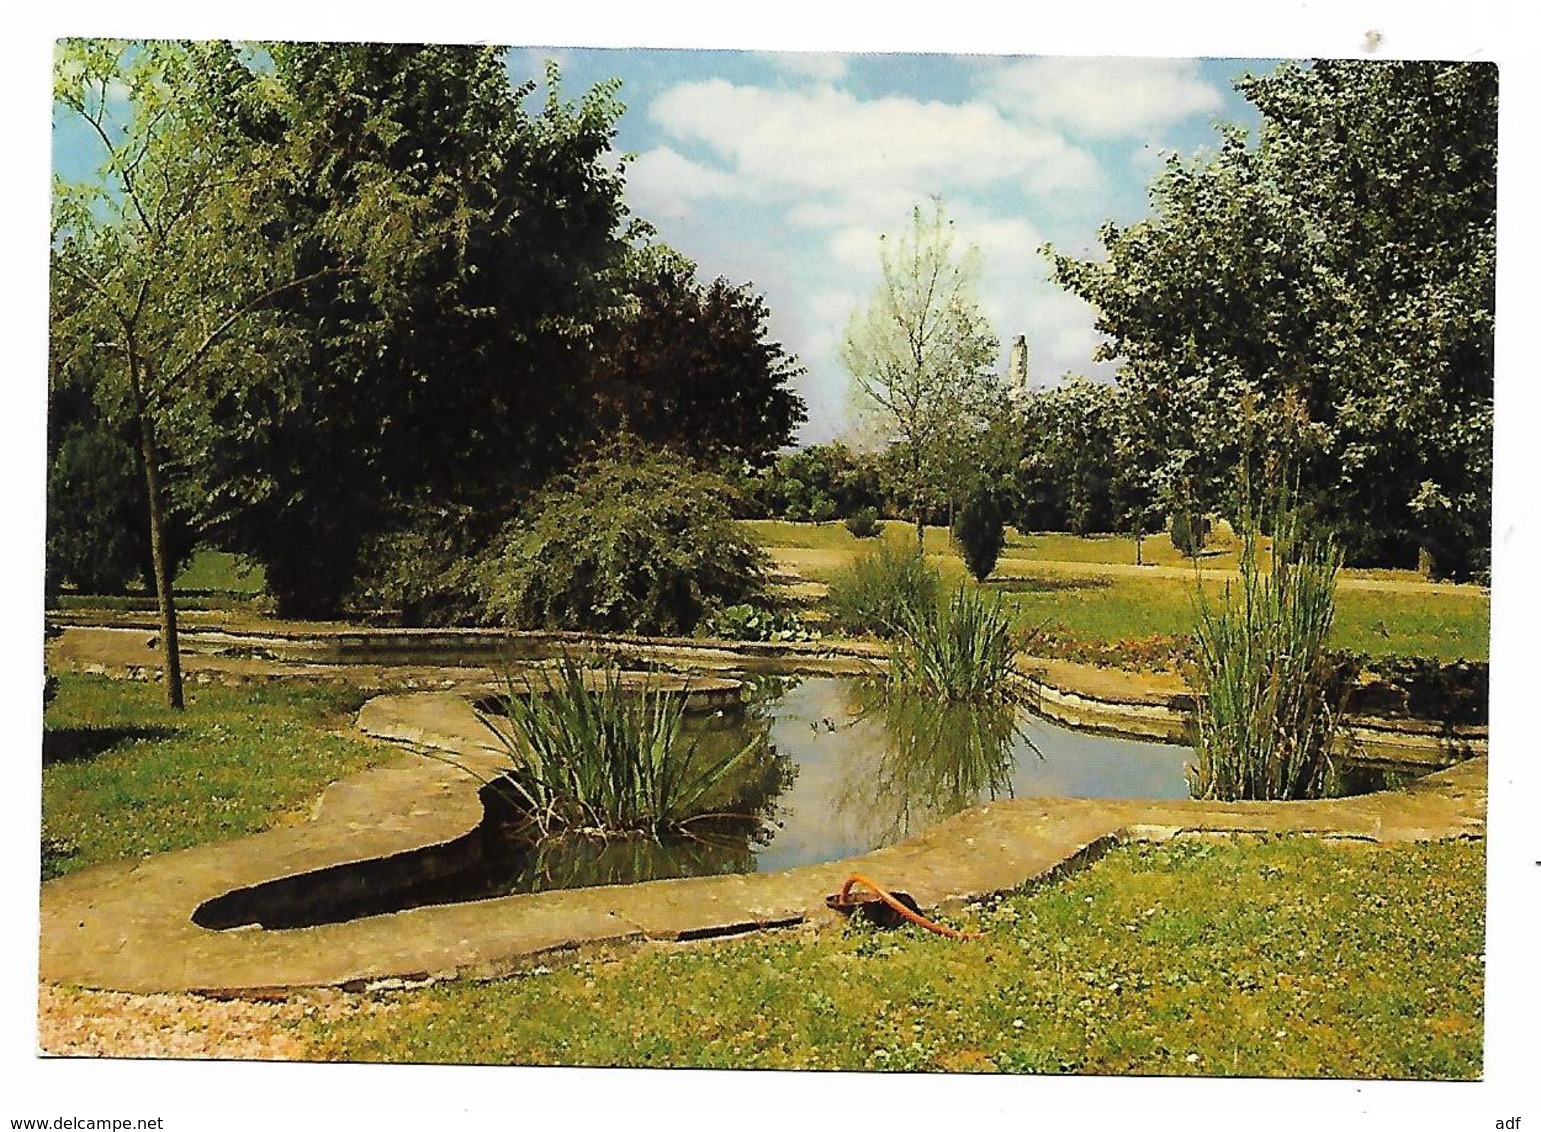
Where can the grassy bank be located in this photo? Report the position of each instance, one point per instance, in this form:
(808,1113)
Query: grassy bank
(124,776)
(1282,958)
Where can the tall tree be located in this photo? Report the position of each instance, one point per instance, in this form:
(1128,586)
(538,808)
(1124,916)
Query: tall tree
(159,277)
(447,367)
(690,367)
(921,354)
(1333,281)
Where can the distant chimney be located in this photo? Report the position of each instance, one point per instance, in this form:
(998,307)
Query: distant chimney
(1016,370)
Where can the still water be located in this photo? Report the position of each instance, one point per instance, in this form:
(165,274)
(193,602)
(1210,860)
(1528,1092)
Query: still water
(839,767)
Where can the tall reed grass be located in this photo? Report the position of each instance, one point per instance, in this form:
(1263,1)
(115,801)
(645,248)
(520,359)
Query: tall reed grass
(603,759)
(961,652)
(1270,695)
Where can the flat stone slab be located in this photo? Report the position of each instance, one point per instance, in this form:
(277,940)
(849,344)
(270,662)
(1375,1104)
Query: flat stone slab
(128,925)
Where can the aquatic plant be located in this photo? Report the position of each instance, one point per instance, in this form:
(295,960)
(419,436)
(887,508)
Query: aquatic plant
(961,652)
(1270,695)
(588,755)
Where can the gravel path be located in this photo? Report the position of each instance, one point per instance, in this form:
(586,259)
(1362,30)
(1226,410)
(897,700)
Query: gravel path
(88,1023)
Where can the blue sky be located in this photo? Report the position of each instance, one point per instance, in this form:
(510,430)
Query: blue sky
(782,170)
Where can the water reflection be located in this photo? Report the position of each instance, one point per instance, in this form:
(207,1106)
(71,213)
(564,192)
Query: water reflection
(930,759)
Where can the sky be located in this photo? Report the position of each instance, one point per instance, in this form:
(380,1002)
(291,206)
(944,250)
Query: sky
(782,170)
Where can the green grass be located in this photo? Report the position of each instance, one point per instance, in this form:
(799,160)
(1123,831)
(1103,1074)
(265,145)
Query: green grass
(1451,626)
(124,776)
(1282,958)
(215,571)
(1449,623)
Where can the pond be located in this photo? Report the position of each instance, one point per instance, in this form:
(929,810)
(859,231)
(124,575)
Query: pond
(839,767)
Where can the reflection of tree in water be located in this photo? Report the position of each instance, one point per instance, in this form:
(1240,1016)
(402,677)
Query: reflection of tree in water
(740,812)
(929,760)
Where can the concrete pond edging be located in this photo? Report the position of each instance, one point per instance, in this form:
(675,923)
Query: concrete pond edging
(129,925)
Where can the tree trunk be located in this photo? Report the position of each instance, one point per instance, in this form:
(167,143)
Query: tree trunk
(160,557)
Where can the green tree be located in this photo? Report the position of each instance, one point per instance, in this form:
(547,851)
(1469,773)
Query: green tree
(1334,279)
(164,270)
(446,371)
(1069,457)
(980,532)
(690,367)
(921,354)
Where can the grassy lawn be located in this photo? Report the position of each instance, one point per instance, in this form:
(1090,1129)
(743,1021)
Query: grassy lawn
(1449,624)
(1287,957)
(124,776)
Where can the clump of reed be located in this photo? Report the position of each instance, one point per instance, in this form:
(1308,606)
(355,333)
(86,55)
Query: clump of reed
(594,757)
(1270,695)
(959,652)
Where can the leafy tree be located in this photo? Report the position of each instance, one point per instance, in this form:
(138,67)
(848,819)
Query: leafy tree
(689,366)
(161,273)
(921,353)
(634,541)
(819,477)
(1069,457)
(1334,281)
(446,368)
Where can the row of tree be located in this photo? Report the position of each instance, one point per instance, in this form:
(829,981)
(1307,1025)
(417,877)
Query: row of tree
(1318,301)
(326,300)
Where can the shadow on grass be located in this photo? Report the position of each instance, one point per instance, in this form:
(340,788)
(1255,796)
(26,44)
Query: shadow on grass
(78,744)
(1042,584)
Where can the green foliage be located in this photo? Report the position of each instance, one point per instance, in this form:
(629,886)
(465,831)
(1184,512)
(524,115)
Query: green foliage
(981,533)
(1189,532)
(1335,276)
(755,623)
(864,523)
(1064,478)
(874,593)
(98,525)
(688,366)
(1270,695)
(961,652)
(817,478)
(921,354)
(469,240)
(1170,959)
(604,759)
(633,541)
(422,570)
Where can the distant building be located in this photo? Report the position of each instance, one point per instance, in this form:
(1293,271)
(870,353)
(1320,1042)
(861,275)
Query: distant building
(1016,371)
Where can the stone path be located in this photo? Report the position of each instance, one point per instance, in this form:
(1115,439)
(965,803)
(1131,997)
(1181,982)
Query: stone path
(128,926)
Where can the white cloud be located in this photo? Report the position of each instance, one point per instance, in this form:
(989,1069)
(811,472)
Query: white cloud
(1103,97)
(810,64)
(664,184)
(824,140)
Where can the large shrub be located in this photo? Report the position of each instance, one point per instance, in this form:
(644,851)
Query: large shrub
(875,592)
(864,523)
(981,533)
(635,541)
